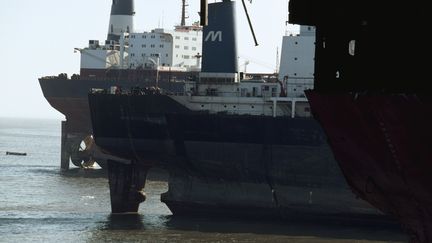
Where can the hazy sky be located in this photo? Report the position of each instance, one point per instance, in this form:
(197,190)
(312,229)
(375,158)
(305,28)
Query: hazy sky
(38,39)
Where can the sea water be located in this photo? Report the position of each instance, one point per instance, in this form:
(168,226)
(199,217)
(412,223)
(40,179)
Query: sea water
(39,203)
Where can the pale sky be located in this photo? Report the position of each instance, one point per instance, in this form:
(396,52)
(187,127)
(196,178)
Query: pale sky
(38,39)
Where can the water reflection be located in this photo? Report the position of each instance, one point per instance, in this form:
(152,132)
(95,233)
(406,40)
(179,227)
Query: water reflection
(124,222)
(158,228)
(85,173)
(322,228)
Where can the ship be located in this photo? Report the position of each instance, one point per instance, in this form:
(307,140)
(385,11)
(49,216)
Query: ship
(372,98)
(126,59)
(232,144)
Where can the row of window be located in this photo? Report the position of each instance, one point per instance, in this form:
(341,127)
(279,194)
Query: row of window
(145,37)
(156,55)
(144,54)
(151,46)
(163,37)
(185,38)
(132,65)
(162,46)
(186,47)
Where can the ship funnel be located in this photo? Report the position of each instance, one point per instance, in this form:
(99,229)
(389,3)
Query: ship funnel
(219,49)
(121,20)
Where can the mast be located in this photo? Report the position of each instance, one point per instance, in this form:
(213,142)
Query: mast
(183,16)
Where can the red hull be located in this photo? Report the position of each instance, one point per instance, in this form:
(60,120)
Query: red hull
(383,144)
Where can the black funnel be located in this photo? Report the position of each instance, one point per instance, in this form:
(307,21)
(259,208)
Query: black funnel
(219,39)
(122,7)
(121,20)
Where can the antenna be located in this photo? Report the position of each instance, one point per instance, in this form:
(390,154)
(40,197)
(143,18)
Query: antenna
(184,16)
(204,13)
(245,66)
(277,60)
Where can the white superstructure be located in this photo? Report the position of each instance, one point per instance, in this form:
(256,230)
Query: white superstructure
(180,48)
(297,61)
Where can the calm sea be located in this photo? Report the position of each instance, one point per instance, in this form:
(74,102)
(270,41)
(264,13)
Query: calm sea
(38,203)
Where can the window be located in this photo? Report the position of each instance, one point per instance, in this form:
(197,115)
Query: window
(193,48)
(152,36)
(143,46)
(186,38)
(131,45)
(351,47)
(177,46)
(177,37)
(194,39)
(186,47)
(161,46)
(152,46)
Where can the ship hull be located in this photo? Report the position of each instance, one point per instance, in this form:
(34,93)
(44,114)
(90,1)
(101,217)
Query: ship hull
(382,143)
(224,163)
(70,97)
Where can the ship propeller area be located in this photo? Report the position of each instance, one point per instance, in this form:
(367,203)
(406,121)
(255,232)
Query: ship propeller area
(81,152)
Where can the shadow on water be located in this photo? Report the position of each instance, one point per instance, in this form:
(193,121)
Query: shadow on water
(211,227)
(155,174)
(85,173)
(124,222)
(330,228)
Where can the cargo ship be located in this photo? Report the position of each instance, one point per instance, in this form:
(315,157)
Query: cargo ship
(126,59)
(231,144)
(372,98)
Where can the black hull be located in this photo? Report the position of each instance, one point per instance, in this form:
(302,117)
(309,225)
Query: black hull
(226,162)
(70,97)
